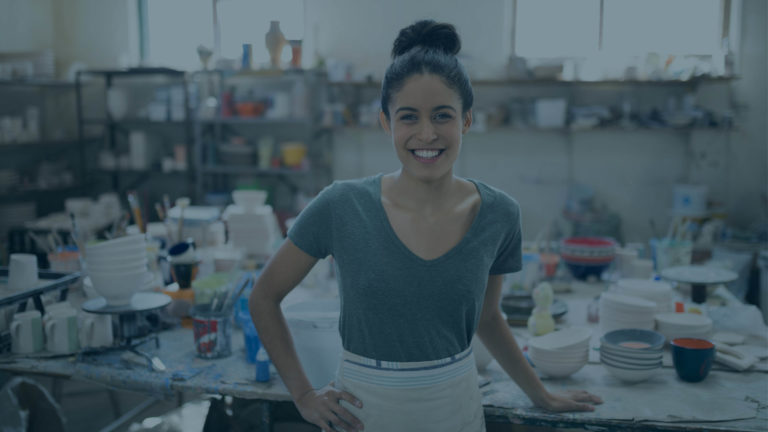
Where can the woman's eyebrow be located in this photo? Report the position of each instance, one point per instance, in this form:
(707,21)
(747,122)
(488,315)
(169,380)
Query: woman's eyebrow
(437,108)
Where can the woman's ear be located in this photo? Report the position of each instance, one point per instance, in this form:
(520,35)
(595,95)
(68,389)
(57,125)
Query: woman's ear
(384,122)
(467,121)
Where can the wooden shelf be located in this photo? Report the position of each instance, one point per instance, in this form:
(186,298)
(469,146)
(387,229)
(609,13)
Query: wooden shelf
(249,170)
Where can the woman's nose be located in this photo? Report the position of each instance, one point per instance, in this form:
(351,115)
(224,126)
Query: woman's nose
(427,133)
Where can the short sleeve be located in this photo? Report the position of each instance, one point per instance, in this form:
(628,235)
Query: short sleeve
(509,254)
(312,231)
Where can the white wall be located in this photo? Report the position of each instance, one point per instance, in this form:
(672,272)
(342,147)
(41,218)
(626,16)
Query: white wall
(26,25)
(97,33)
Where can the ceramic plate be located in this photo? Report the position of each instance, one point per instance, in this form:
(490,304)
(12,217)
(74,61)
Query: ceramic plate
(699,275)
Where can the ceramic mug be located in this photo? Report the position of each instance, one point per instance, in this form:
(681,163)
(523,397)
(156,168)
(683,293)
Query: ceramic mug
(96,330)
(56,306)
(27,332)
(61,331)
(22,272)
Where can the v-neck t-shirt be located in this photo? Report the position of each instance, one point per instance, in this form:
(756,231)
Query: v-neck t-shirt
(395,305)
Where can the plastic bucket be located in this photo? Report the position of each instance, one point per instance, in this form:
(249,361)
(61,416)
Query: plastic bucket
(314,326)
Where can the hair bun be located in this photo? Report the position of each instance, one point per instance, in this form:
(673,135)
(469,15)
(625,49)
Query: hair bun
(429,35)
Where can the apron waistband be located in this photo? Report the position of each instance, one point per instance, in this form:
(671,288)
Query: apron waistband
(405,374)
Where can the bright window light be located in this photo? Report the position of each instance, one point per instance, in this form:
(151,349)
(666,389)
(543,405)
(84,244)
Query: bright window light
(175,29)
(664,26)
(557,28)
(248,21)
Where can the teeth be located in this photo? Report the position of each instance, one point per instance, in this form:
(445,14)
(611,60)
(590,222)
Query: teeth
(426,153)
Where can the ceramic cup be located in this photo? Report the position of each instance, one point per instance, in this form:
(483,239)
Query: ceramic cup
(183,252)
(184,273)
(61,331)
(56,306)
(692,358)
(22,272)
(27,332)
(96,330)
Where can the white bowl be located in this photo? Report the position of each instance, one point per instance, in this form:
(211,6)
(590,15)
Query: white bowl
(560,354)
(119,242)
(557,370)
(115,269)
(630,362)
(118,289)
(115,254)
(631,375)
(116,262)
(564,339)
(249,199)
(482,357)
(630,353)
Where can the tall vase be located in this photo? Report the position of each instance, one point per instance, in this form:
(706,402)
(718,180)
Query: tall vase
(275,41)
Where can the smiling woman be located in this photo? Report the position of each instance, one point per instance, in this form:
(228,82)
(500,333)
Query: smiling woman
(420,254)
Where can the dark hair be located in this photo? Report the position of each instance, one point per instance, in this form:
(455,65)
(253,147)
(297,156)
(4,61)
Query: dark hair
(426,47)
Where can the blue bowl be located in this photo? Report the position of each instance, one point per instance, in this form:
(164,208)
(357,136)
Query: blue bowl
(692,358)
(584,271)
(633,340)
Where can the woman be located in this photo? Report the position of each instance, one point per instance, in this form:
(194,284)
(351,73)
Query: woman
(421,255)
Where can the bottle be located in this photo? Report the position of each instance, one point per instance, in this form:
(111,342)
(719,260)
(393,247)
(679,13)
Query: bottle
(262,365)
(275,40)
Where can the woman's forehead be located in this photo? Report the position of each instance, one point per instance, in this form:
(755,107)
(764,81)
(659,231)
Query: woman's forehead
(425,91)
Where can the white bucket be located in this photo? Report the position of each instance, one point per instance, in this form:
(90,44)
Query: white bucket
(314,326)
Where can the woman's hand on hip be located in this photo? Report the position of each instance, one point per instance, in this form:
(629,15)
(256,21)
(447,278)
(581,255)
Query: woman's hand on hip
(323,409)
(570,400)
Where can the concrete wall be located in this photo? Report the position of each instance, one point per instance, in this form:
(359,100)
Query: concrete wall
(632,171)
(26,25)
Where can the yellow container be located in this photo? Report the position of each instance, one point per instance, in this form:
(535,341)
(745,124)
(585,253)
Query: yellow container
(293,153)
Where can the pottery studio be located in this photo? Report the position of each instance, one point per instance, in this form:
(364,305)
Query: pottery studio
(335,215)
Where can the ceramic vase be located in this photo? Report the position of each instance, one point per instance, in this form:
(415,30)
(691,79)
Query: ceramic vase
(275,41)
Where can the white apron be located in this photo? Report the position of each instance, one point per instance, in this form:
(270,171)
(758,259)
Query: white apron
(440,395)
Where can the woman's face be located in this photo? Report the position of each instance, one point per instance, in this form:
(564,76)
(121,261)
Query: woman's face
(426,125)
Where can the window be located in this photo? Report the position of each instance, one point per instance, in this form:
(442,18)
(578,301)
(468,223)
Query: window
(247,21)
(572,28)
(664,26)
(557,28)
(173,29)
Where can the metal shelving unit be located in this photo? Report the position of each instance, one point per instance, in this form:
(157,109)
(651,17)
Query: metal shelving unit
(115,130)
(214,127)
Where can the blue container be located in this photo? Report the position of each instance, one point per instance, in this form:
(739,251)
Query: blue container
(252,343)
(692,358)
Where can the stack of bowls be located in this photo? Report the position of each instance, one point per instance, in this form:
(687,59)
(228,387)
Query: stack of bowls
(618,311)
(683,325)
(560,353)
(632,355)
(587,257)
(117,268)
(659,292)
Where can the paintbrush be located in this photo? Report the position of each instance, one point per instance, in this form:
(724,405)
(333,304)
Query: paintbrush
(230,300)
(160,211)
(133,200)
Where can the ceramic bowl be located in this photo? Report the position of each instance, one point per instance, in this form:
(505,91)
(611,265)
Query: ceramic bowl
(634,339)
(565,339)
(630,375)
(692,358)
(633,354)
(554,369)
(630,361)
(118,243)
(118,289)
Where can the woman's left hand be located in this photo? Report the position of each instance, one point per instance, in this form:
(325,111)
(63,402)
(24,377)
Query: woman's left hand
(570,400)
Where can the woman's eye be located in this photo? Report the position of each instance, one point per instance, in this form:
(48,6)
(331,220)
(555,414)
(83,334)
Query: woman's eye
(408,117)
(442,116)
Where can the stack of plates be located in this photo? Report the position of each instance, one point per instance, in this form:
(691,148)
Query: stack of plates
(618,311)
(659,292)
(632,355)
(560,353)
(678,325)
(118,268)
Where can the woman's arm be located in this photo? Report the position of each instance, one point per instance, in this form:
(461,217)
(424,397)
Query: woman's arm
(495,334)
(281,274)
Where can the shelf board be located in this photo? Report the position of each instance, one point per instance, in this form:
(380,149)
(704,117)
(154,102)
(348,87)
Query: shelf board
(135,71)
(505,82)
(45,144)
(139,171)
(38,83)
(28,194)
(134,122)
(256,121)
(250,170)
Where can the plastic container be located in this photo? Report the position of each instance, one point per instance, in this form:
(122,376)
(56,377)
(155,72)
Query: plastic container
(314,328)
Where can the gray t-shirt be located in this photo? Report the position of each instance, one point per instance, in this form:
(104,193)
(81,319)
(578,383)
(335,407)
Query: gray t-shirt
(396,306)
